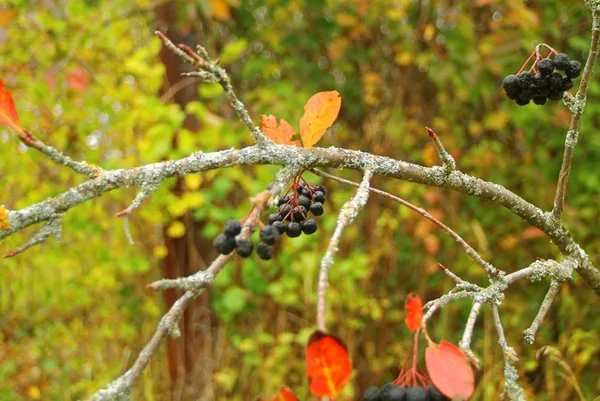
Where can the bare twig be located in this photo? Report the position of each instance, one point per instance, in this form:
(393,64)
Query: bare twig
(146,190)
(513,388)
(347,214)
(447,159)
(52,228)
(468,248)
(465,342)
(577,107)
(168,325)
(544,308)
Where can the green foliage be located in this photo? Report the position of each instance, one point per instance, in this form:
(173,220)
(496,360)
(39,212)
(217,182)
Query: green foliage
(72,311)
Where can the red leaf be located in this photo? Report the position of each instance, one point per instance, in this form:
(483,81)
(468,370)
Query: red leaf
(281,133)
(320,112)
(328,364)
(449,369)
(8,112)
(77,79)
(284,394)
(414,311)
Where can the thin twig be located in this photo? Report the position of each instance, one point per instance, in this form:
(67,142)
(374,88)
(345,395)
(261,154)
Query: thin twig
(168,325)
(544,308)
(447,159)
(52,228)
(577,107)
(465,342)
(513,388)
(491,270)
(347,214)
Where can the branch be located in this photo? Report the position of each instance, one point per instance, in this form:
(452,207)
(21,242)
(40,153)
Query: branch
(305,159)
(52,228)
(169,325)
(469,249)
(347,214)
(544,308)
(465,342)
(511,376)
(577,107)
(447,159)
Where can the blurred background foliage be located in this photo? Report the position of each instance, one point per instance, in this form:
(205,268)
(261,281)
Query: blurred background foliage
(90,78)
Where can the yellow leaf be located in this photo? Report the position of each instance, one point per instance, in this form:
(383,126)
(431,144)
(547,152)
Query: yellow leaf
(34,393)
(193,181)
(320,112)
(220,10)
(176,229)
(4,225)
(6,16)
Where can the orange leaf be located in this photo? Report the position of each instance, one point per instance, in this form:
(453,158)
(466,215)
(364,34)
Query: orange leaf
(414,311)
(77,79)
(281,133)
(320,112)
(284,394)
(449,369)
(328,364)
(6,16)
(8,112)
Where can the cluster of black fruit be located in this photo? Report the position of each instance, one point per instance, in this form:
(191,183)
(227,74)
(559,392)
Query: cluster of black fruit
(226,242)
(292,217)
(392,392)
(546,84)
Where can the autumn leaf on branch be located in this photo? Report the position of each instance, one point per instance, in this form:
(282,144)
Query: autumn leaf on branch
(449,370)
(328,364)
(320,112)
(281,133)
(8,112)
(284,394)
(414,311)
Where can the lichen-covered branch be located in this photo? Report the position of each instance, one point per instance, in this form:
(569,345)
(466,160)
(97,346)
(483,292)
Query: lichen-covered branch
(511,376)
(544,308)
(465,342)
(52,228)
(577,106)
(347,214)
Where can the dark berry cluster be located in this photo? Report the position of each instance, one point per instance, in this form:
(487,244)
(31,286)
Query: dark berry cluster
(545,84)
(293,215)
(226,242)
(392,392)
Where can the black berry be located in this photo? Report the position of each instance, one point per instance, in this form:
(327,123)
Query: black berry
(510,84)
(539,100)
(284,200)
(300,213)
(555,80)
(224,244)
(321,188)
(386,391)
(555,94)
(279,226)
(319,196)
(244,247)
(567,84)
(316,208)
(304,201)
(524,79)
(232,228)
(275,217)
(574,69)
(285,210)
(269,235)
(293,229)
(540,81)
(417,394)
(546,66)
(264,251)
(372,394)
(561,61)
(435,395)
(309,226)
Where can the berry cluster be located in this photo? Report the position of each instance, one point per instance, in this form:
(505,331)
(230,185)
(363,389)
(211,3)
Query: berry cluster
(392,392)
(544,83)
(226,242)
(292,217)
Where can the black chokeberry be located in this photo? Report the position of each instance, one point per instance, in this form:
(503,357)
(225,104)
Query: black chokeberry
(279,226)
(304,201)
(555,94)
(224,244)
(510,84)
(275,217)
(285,210)
(282,201)
(319,196)
(386,390)
(539,100)
(555,80)
(372,394)
(417,393)
(264,251)
(232,228)
(561,61)
(300,213)
(522,102)
(244,247)
(574,69)
(540,81)
(309,226)
(524,79)
(567,84)
(513,95)
(316,208)
(435,394)
(293,229)
(526,95)
(546,66)
(269,235)
(321,188)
